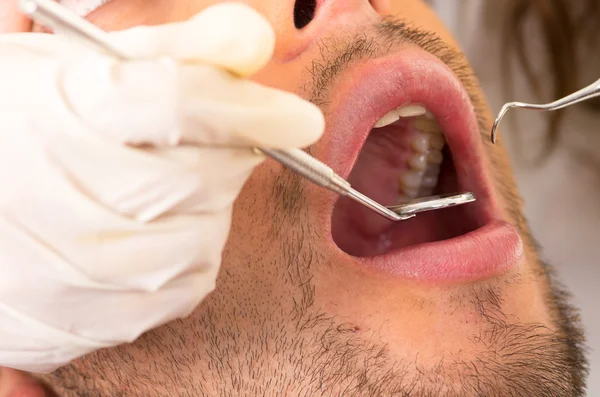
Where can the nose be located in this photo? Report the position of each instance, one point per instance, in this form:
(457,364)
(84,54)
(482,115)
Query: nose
(304,10)
(299,24)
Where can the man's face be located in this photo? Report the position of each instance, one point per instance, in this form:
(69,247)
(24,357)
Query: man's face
(320,297)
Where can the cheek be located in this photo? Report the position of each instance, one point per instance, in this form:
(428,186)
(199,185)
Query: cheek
(421,16)
(124,14)
(283,76)
(253,198)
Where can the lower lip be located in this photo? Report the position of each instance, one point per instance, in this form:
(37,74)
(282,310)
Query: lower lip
(483,253)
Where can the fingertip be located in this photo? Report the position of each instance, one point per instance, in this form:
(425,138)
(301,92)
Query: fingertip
(315,124)
(235,36)
(294,123)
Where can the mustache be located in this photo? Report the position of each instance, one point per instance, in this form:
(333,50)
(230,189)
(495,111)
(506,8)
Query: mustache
(336,54)
(393,32)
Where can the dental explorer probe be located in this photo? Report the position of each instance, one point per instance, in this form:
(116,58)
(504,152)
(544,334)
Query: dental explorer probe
(589,92)
(60,18)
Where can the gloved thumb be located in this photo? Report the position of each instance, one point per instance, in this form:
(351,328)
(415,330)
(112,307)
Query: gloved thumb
(231,36)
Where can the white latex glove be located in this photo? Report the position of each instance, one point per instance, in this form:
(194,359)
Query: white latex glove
(102,240)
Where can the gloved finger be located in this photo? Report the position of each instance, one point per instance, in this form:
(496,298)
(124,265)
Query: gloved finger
(143,183)
(104,290)
(232,36)
(136,182)
(196,104)
(242,112)
(28,48)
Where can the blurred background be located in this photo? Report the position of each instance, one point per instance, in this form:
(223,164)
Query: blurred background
(538,51)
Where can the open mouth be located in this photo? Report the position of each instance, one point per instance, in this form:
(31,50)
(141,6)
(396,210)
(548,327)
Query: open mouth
(410,132)
(404,157)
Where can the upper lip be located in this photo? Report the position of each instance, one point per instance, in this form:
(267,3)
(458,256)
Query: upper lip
(415,76)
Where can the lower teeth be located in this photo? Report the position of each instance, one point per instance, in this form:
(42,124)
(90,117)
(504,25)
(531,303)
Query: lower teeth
(421,176)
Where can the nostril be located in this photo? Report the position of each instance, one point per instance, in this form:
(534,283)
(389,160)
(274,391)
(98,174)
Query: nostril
(304,12)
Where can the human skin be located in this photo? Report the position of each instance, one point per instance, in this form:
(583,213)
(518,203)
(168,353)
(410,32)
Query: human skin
(294,315)
(11,21)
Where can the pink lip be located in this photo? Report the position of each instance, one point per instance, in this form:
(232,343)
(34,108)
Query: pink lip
(415,76)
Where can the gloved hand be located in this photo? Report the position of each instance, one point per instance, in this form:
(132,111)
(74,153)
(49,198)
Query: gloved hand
(117,178)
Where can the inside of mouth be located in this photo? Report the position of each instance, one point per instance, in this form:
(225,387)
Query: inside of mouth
(404,157)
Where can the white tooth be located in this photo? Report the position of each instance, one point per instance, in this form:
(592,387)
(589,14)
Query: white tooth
(420,143)
(429,182)
(411,179)
(411,111)
(435,157)
(418,161)
(432,171)
(411,193)
(437,141)
(388,119)
(427,125)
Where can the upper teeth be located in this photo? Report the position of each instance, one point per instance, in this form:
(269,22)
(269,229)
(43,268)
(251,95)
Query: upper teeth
(420,177)
(403,111)
(411,111)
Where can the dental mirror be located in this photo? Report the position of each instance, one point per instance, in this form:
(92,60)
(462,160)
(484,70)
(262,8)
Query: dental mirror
(431,203)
